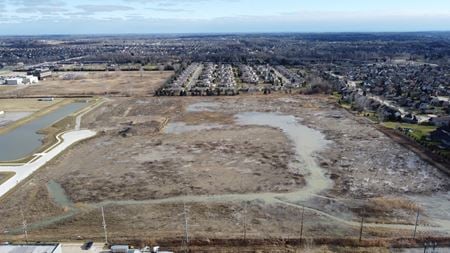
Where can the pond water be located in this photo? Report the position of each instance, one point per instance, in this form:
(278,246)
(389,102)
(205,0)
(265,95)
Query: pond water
(23,140)
(203,107)
(58,194)
(307,141)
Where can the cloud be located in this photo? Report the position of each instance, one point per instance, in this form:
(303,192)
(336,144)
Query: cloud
(42,10)
(162,9)
(97,8)
(175,16)
(167,2)
(35,3)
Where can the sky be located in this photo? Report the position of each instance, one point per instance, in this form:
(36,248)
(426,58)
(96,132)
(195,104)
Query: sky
(36,17)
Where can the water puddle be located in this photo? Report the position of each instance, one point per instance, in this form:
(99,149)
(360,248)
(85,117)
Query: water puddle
(203,107)
(307,141)
(58,194)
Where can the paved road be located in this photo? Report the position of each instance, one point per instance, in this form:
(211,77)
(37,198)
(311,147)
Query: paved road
(65,140)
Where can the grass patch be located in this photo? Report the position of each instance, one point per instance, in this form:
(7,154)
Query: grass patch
(4,176)
(346,106)
(26,104)
(373,116)
(418,132)
(385,204)
(336,95)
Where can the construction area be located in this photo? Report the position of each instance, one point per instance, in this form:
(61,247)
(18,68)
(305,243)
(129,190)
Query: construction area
(251,167)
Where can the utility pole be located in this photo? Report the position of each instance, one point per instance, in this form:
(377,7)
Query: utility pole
(245,221)
(361,229)
(24,225)
(301,226)
(186,226)
(104,226)
(417,223)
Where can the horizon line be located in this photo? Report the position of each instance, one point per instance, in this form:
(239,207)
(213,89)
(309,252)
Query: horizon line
(225,33)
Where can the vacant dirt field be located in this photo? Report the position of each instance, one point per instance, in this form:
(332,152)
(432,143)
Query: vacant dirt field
(94,83)
(236,172)
(6,88)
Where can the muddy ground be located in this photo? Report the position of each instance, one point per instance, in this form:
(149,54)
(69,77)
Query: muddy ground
(233,178)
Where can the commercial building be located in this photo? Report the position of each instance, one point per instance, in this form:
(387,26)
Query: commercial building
(14,81)
(30,248)
(41,73)
(18,80)
(30,79)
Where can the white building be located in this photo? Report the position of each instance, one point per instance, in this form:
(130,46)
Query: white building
(14,81)
(30,79)
(30,248)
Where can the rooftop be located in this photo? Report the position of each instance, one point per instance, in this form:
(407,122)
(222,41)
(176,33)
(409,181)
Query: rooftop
(28,248)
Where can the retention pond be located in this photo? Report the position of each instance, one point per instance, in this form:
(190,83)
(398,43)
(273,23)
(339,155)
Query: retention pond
(25,139)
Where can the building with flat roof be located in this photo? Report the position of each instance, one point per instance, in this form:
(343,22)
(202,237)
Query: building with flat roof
(40,73)
(14,81)
(30,79)
(30,248)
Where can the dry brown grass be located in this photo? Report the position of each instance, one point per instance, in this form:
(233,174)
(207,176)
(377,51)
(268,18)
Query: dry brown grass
(26,104)
(4,176)
(206,117)
(389,204)
(129,83)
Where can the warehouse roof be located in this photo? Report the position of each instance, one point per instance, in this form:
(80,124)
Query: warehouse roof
(28,248)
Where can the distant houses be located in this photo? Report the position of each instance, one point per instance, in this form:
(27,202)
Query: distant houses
(440,121)
(441,136)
